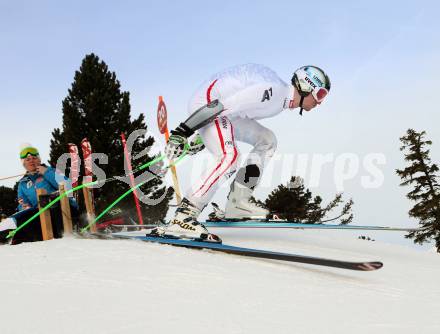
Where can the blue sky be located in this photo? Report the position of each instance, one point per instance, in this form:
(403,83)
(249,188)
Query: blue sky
(382,57)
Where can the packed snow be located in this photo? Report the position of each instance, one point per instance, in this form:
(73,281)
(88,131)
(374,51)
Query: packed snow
(76,285)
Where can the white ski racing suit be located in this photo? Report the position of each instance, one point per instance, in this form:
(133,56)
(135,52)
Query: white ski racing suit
(248,93)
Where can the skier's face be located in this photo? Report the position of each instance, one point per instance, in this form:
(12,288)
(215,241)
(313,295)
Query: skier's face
(31,163)
(309,102)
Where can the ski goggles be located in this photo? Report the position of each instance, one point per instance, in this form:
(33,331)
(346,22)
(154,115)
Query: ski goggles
(29,151)
(320,94)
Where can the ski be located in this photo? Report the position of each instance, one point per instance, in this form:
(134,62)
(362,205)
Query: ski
(292,225)
(249,252)
(283,224)
(217,219)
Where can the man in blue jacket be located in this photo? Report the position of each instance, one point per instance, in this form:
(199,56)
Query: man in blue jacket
(38,176)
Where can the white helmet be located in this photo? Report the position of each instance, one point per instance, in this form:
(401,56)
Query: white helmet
(311,79)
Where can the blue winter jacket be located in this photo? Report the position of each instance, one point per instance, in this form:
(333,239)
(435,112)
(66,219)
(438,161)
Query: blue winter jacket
(28,184)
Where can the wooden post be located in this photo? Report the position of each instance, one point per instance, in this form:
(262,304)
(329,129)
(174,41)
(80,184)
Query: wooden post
(89,208)
(46,223)
(65,211)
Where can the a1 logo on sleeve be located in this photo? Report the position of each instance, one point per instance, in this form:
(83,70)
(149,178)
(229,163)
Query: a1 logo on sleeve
(267,94)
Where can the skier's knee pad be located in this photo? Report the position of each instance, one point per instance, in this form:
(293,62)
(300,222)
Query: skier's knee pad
(250,172)
(248,176)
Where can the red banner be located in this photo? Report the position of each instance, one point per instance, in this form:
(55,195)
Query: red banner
(74,164)
(87,155)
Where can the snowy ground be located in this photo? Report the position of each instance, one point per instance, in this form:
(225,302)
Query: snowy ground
(116,286)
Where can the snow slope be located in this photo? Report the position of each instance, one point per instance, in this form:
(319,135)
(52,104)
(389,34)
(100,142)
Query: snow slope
(117,286)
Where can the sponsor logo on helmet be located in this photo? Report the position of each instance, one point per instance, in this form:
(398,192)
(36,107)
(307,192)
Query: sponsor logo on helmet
(310,82)
(318,80)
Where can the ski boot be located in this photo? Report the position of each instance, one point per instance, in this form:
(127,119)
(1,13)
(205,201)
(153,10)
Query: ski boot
(216,215)
(239,206)
(185,225)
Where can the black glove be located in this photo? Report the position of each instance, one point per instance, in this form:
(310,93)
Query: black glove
(177,141)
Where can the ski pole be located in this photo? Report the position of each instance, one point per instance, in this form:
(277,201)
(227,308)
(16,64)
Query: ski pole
(11,177)
(108,208)
(58,198)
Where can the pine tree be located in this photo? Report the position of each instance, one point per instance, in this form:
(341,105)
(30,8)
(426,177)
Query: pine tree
(422,175)
(292,202)
(95,108)
(295,202)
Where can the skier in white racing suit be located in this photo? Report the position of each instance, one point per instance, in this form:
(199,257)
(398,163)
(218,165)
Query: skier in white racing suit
(226,109)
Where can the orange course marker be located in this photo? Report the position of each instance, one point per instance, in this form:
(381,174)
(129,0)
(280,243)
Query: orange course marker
(163,128)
